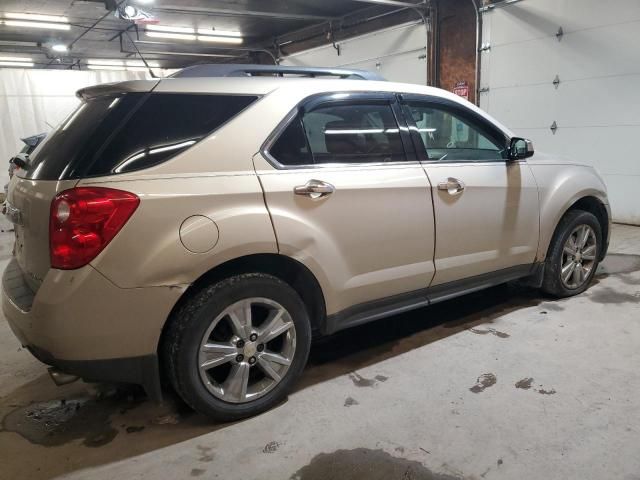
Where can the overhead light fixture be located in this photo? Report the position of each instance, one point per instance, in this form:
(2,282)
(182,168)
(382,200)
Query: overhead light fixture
(170,29)
(36,17)
(16,59)
(27,24)
(105,67)
(218,33)
(174,36)
(113,64)
(140,63)
(188,33)
(106,61)
(16,64)
(215,38)
(59,47)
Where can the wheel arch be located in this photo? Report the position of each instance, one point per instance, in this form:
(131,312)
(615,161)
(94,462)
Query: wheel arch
(291,271)
(593,204)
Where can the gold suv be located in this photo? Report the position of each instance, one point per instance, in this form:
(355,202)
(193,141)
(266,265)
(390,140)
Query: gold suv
(198,231)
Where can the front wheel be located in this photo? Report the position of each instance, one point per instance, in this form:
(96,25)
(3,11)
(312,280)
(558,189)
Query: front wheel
(573,255)
(236,348)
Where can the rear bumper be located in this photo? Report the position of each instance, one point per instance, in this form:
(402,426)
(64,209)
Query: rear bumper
(81,323)
(139,370)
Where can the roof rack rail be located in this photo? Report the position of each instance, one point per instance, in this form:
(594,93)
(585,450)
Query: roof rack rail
(240,70)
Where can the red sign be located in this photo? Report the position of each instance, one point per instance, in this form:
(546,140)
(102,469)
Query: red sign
(462,89)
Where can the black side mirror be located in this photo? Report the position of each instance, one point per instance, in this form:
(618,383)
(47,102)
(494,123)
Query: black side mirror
(520,148)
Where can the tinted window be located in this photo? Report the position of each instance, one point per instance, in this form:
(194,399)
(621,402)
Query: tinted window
(79,135)
(163,126)
(291,147)
(129,132)
(447,136)
(353,134)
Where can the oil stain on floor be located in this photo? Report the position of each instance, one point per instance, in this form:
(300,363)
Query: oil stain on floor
(484,381)
(362,463)
(58,422)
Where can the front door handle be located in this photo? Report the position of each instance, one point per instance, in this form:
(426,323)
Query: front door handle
(452,186)
(314,189)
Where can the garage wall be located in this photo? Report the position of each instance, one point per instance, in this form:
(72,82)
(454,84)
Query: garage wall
(596,105)
(397,53)
(33,101)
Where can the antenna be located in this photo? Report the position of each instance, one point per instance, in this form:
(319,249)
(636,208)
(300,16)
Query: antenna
(153,75)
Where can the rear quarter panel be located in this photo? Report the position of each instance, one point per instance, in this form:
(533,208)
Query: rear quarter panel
(148,251)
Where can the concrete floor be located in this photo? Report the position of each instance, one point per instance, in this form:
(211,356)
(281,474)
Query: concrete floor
(503,384)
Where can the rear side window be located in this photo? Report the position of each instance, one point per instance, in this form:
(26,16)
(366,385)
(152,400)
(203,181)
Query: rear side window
(341,134)
(118,134)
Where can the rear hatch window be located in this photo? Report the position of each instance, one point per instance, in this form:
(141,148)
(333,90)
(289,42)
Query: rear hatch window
(121,133)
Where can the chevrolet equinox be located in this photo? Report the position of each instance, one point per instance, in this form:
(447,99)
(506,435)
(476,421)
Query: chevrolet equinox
(199,230)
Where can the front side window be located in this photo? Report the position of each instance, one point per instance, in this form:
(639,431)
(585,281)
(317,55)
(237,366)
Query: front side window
(446,136)
(341,134)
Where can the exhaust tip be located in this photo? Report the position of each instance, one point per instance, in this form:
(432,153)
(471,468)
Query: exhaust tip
(61,378)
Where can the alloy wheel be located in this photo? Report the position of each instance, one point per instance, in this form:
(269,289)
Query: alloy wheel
(578,257)
(247,350)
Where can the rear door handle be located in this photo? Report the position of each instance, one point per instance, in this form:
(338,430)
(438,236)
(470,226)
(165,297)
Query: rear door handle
(314,189)
(452,186)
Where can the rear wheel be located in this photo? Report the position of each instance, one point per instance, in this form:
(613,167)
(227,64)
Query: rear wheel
(236,348)
(573,255)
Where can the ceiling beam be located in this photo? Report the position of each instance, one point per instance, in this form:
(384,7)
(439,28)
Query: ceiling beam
(227,12)
(394,3)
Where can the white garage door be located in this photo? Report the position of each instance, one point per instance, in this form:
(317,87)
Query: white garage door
(397,53)
(596,105)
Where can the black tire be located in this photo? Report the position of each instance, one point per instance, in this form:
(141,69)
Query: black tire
(552,283)
(181,343)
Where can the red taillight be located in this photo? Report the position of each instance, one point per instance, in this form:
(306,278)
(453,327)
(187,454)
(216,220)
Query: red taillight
(83,221)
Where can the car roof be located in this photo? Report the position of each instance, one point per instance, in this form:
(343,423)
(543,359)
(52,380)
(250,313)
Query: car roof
(298,87)
(301,88)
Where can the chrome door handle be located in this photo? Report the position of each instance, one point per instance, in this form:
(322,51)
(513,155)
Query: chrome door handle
(452,186)
(314,189)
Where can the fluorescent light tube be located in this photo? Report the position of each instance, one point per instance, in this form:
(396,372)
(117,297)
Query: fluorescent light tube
(211,38)
(105,61)
(16,59)
(36,17)
(220,33)
(169,29)
(140,63)
(47,26)
(174,36)
(105,67)
(16,64)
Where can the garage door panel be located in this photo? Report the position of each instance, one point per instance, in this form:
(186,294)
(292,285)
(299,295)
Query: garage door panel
(597,102)
(589,103)
(604,51)
(519,64)
(410,67)
(517,111)
(611,150)
(398,53)
(601,52)
(532,20)
(625,206)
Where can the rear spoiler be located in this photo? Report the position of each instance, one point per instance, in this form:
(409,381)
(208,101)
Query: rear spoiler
(119,87)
